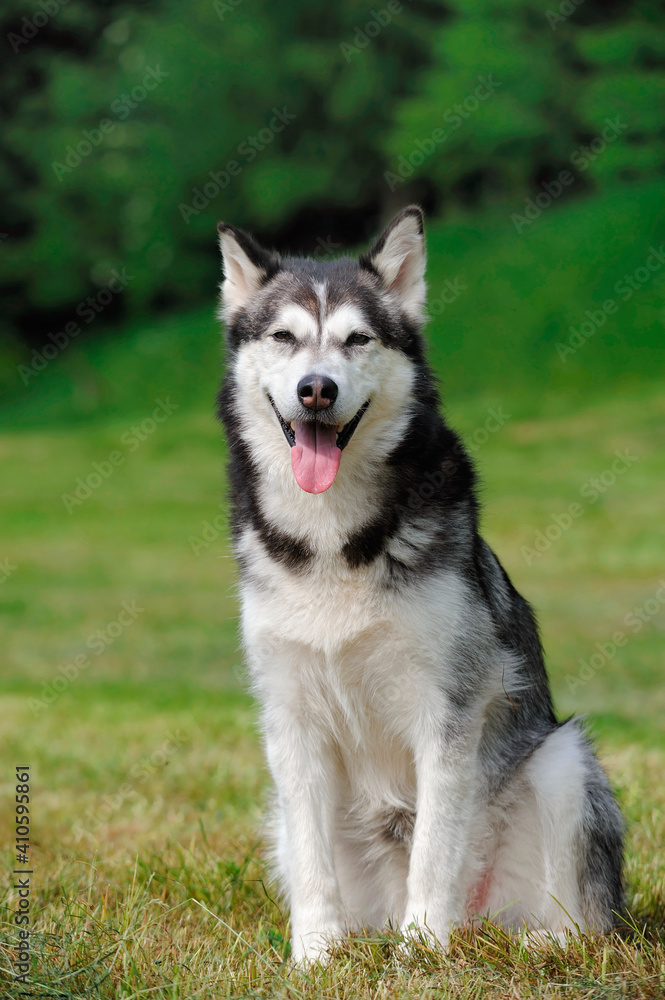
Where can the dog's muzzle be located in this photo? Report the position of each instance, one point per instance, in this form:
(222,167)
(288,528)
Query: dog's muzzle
(316,448)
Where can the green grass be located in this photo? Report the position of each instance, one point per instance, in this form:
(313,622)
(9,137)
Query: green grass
(148,781)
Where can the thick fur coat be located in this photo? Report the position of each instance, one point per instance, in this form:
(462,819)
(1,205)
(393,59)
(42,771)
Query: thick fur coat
(421,776)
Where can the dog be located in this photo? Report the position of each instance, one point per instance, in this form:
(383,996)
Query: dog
(421,777)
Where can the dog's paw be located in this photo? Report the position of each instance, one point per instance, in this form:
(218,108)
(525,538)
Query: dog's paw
(311,946)
(421,929)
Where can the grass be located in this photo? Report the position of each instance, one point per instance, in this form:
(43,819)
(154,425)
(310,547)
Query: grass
(148,781)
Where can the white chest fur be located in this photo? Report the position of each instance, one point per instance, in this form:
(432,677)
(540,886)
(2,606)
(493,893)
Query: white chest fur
(337,645)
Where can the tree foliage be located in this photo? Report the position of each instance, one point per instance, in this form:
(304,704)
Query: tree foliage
(128,131)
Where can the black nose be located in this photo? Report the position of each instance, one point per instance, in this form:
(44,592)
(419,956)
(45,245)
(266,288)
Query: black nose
(317,392)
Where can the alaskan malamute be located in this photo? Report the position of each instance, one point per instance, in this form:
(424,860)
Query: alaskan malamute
(421,776)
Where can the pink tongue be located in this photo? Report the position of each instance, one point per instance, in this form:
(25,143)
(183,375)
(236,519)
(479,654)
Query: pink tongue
(315,456)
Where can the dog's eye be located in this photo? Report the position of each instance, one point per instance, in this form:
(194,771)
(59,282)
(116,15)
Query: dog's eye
(283,336)
(357,340)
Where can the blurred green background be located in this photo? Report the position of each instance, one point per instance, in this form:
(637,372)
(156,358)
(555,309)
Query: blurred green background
(130,130)
(533,135)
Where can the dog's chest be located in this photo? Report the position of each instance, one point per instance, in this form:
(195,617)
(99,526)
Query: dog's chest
(351,672)
(355,664)
(342,649)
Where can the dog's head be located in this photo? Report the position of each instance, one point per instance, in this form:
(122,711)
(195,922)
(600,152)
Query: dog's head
(326,353)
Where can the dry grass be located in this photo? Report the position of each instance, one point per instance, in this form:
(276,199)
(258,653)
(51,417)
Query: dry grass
(198,920)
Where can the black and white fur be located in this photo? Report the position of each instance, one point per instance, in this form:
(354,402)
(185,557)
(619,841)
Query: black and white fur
(421,775)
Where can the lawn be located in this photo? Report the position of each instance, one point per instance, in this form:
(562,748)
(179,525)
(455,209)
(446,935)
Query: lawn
(123,687)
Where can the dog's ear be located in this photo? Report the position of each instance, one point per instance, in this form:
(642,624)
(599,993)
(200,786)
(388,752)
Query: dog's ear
(398,258)
(247,266)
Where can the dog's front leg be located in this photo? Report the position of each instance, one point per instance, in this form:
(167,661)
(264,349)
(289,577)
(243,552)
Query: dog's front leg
(446,755)
(303,768)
